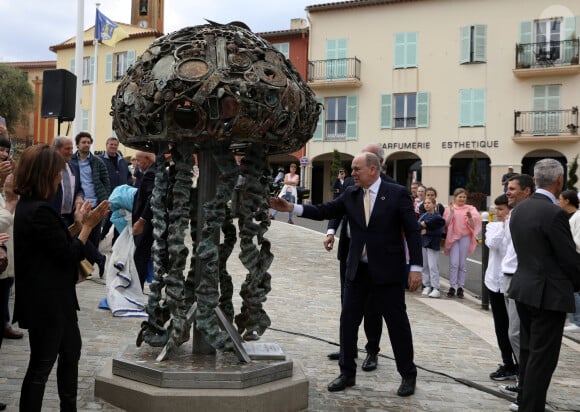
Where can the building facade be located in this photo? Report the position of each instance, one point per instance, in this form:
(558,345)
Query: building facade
(37,129)
(444,85)
(107,69)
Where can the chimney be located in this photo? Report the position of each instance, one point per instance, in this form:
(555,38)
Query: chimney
(299,23)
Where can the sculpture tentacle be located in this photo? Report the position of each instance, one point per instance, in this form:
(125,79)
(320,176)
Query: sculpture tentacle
(253,320)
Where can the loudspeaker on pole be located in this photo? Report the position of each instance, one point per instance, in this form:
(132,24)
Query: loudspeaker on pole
(59,88)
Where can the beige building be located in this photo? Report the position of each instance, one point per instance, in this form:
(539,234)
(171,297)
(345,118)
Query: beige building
(106,70)
(439,83)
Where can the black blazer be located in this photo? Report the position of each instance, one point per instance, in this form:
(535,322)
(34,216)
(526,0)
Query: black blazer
(392,215)
(56,201)
(141,203)
(548,265)
(343,241)
(46,260)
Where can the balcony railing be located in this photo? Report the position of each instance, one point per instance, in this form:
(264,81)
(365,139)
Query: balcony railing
(546,123)
(334,70)
(547,54)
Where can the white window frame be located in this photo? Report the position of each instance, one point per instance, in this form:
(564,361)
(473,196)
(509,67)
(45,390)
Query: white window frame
(336,118)
(408,110)
(283,48)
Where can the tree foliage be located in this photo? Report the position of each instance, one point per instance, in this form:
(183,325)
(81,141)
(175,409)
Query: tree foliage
(16,96)
(572,178)
(473,183)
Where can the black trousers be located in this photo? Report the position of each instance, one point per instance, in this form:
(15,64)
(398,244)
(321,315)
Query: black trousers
(60,340)
(389,302)
(4,292)
(501,324)
(373,321)
(540,341)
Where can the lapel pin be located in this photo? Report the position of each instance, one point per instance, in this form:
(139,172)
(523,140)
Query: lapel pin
(382,198)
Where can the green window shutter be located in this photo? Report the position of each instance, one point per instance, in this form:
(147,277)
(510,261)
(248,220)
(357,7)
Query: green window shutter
(92,70)
(331,56)
(465,107)
(478,110)
(386,111)
(85,120)
(319,132)
(351,117)
(399,50)
(569,32)
(130,58)
(526,37)
(480,43)
(411,50)
(422,109)
(465,39)
(72,65)
(109,68)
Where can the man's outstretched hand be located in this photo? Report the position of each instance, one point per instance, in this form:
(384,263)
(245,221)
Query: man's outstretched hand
(281,205)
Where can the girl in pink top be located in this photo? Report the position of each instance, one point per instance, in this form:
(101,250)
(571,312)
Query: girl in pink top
(463,223)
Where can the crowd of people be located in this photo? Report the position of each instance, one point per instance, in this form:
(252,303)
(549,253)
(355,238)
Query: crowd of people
(533,275)
(54,211)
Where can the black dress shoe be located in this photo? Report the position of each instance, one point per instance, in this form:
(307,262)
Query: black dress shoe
(334,356)
(407,387)
(341,383)
(2,406)
(370,363)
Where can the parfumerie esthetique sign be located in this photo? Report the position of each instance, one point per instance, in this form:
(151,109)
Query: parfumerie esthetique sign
(467,144)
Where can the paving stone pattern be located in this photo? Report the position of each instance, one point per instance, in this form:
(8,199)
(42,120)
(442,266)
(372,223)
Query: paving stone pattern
(304,306)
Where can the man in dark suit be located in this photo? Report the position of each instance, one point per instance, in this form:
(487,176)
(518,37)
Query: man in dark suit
(547,274)
(373,322)
(70,197)
(142,215)
(378,214)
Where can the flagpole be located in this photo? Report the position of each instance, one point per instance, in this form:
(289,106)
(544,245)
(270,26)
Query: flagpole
(95,81)
(79,46)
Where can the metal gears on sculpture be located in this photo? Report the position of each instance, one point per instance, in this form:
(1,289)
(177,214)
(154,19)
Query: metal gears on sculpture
(211,90)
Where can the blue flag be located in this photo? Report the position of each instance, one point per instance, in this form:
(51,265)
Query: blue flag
(108,31)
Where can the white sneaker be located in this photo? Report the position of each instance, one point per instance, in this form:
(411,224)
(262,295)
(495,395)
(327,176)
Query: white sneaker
(514,407)
(572,328)
(426,291)
(435,293)
(511,390)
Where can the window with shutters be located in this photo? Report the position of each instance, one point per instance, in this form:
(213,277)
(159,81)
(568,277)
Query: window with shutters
(405,110)
(88,70)
(473,44)
(335,118)
(116,64)
(471,107)
(405,50)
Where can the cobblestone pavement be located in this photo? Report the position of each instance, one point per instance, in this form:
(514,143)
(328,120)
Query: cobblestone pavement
(455,347)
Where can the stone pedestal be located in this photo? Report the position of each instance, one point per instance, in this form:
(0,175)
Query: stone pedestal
(135,381)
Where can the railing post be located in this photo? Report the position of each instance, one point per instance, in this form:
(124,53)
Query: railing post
(484,261)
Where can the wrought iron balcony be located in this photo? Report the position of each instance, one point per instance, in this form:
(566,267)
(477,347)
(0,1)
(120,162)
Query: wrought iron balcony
(547,54)
(335,70)
(546,123)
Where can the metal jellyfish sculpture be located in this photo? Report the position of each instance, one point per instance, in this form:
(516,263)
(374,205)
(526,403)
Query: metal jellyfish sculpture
(211,90)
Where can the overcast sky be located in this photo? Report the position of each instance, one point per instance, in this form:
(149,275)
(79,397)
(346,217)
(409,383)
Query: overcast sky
(30,27)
